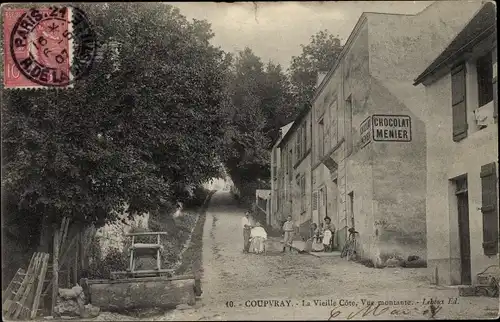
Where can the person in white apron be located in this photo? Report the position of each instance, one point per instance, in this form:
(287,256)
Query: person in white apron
(328,233)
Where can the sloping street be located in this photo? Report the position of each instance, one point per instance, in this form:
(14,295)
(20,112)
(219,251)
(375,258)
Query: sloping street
(234,283)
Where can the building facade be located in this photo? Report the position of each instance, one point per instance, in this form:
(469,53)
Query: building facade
(367,153)
(295,148)
(462,158)
(278,188)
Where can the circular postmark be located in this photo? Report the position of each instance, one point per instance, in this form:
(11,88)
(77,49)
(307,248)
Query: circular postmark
(53,46)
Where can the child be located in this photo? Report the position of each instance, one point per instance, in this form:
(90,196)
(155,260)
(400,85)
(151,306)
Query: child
(317,245)
(289,231)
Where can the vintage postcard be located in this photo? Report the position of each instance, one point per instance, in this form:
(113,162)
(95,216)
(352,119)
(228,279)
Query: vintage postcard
(208,161)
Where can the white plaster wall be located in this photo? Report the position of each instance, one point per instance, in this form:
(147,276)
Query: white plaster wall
(447,160)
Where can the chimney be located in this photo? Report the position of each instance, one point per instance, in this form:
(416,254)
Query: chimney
(321,76)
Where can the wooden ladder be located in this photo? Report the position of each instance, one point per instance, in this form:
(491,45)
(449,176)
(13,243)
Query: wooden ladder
(22,296)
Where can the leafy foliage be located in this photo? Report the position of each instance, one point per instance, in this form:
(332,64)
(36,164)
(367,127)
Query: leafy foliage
(265,98)
(138,129)
(319,55)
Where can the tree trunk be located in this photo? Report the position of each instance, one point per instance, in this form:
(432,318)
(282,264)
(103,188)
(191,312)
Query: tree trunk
(46,232)
(55,269)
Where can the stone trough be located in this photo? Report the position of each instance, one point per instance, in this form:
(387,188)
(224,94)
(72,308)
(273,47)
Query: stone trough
(136,294)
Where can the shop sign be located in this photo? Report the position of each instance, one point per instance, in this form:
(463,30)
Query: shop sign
(391,128)
(365,132)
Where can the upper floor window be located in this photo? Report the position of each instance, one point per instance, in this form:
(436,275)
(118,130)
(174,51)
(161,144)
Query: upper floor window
(484,66)
(321,138)
(298,145)
(458,103)
(348,125)
(334,123)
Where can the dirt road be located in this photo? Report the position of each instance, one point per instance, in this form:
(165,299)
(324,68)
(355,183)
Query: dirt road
(240,286)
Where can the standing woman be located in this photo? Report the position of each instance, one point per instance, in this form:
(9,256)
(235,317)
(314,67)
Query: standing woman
(328,230)
(289,231)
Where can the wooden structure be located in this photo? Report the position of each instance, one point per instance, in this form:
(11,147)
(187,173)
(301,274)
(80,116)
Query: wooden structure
(21,299)
(30,290)
(138,250)
(135,289)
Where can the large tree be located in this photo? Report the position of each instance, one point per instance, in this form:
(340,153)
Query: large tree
(145,123)
(246,140)
(319,55)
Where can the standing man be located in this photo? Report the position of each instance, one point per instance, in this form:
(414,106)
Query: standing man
(288,229)
(245,223)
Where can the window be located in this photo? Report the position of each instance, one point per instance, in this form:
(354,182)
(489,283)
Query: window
(289,158)
(458,103)
(495,85)
(348,125)
(334,123)
(278,201)
(283,159)
(321,139)
(484,67)
(315,201)
(310,131)
(489,209)
(304,138)
(302,193)
(298,145)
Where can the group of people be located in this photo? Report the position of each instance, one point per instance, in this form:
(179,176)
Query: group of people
(255,236)
(323,236)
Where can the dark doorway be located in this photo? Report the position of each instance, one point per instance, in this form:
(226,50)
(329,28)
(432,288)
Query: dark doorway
(463,230)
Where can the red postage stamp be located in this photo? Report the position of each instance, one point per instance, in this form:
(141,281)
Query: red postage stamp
(46,47)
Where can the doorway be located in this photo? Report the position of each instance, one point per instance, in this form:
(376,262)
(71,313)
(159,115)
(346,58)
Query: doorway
(322,204)
(351,210)
(461,192)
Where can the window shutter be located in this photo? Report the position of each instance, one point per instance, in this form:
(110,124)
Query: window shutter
(495,89)
(459,105)
(489,209)
(315,200)
(348,125)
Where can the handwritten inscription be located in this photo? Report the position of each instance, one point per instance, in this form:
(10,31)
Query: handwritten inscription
(371,309)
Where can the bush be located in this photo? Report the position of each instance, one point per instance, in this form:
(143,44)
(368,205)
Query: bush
(199,196)
(115,260)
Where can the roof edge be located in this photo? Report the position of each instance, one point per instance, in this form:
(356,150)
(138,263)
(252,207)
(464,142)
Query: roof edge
(303,112)
(429,72)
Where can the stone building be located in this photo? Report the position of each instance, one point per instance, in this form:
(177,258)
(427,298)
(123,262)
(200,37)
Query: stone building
(369,152)
(366,155)
(462,157)
(278,189)
(295,149)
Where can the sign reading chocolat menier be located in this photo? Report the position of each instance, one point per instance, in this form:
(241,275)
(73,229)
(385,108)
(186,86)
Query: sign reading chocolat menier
(391,128)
